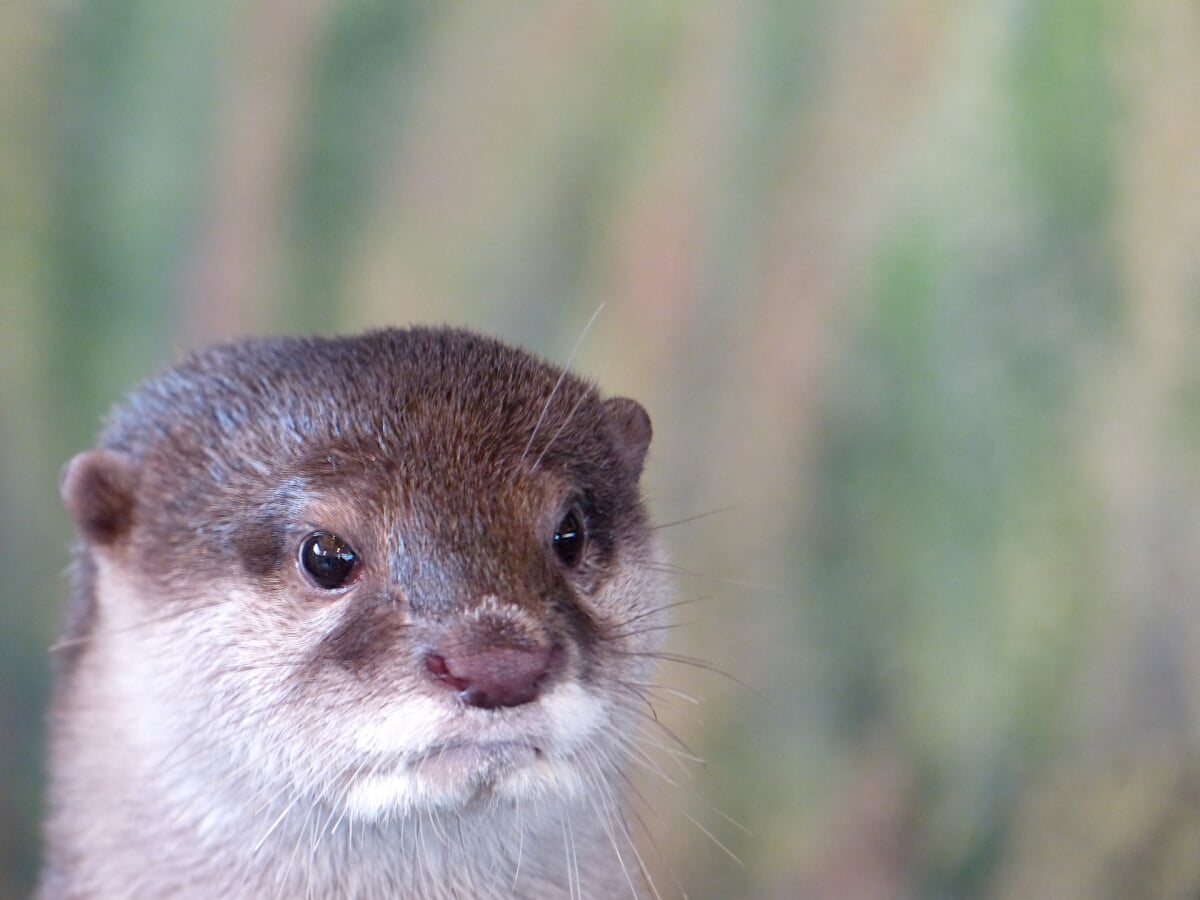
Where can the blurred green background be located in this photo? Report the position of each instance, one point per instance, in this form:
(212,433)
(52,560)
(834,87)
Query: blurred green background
(911,289)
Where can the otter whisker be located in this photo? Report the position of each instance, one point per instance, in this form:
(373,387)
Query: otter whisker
(554,437)
(712,837)
(695,662)
(603,813)
(558,384)
(650,629)
(655,611)
(520,844)
(278,820)
(697,516)
(671,569)
(640,798)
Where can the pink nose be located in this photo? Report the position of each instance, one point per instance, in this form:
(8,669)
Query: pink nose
(490,677)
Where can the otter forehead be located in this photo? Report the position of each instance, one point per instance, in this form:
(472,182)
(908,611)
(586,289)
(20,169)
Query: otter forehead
(444,433)
(391,392)
(425,407)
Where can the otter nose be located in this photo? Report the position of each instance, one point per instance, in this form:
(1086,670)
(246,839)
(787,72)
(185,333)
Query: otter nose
(493,676)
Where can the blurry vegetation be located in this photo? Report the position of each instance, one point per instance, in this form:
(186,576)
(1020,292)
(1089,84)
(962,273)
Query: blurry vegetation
(912,287)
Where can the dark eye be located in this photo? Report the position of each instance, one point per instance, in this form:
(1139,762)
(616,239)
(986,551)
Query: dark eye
(328,560)
(570,538)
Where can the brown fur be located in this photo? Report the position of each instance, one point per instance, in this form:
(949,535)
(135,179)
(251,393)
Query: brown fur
(224,727)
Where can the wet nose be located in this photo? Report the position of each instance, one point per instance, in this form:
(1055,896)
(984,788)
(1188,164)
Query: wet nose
(494,676)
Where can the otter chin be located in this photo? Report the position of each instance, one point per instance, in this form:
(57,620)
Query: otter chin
(355,617)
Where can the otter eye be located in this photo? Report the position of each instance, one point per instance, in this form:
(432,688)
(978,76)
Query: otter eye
(569,538)
(328,560)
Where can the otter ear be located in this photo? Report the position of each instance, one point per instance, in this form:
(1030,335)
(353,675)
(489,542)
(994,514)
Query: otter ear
(629,424)
(99,488)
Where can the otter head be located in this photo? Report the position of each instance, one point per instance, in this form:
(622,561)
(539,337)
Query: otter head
(388,574)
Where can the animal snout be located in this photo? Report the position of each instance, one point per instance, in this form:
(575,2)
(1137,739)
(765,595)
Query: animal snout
(491,675)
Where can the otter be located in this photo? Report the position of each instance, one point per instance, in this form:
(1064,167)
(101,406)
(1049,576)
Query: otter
(355,617)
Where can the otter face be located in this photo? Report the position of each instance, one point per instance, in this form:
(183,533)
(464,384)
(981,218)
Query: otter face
(410,571)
